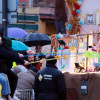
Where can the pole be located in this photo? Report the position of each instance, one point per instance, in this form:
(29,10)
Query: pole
(87,50)
(23,11)
(77,49)
(4,19)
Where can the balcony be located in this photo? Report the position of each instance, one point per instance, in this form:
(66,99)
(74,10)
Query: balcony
(38,3)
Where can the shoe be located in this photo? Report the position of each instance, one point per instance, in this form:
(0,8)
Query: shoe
(15,98)
(1,99)
(60,35)
(65,35)
(17,93)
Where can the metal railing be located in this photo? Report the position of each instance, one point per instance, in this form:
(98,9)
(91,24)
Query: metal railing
(26,94)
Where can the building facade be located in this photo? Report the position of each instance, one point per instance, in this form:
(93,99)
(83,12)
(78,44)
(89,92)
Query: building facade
(46,13)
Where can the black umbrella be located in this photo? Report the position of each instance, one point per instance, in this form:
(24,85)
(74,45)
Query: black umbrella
(34,39)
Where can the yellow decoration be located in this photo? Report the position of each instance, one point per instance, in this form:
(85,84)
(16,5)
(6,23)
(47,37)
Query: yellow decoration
(75,1)
(57,57)
(72,48)
(82,16)
(0,90)
(52,36)
(97,16)
(91,30)
(97,10)
(40,77)
(14,64)
(63,57)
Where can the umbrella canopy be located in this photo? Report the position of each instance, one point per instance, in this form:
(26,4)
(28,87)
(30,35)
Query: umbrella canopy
(16,33)
(18,45)
(34,39)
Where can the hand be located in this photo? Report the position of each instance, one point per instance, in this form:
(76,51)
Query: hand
(37,58)
(47,56)
(42,61)
(30,52)
(20,55)
(26,62)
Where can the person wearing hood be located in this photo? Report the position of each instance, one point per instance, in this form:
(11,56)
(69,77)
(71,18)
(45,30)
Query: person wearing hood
(49,82)
(26,79)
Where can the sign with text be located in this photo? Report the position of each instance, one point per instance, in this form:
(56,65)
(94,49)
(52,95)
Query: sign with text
(12,17)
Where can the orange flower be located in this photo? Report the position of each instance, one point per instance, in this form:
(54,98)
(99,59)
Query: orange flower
(57,57)
(63,57)
(72,48)
(75,1)
(52,36)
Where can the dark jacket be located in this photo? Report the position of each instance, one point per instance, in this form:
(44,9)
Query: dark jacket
(50,84)
(8,55)
(60,10)
(7,44)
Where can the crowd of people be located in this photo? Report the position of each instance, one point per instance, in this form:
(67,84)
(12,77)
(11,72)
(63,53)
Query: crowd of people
(48,83)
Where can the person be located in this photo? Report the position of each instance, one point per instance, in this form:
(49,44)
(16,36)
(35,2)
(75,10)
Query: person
(49,82)
(30,58)
(5,87)
(5,56)
(26,79)
(60,16)
(16,69)
(39,56)
(38,48)
(19,68)
(27,55)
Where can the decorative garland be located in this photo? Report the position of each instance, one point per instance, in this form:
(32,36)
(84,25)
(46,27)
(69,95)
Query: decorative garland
(89,54)
(74,23)
(53,44)
(56,57)
(53,40)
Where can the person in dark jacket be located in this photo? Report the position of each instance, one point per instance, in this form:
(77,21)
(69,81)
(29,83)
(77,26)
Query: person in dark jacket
(49,83)
(5,55)
(60,16)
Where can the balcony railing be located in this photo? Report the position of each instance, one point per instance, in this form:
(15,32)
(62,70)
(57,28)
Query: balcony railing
(39,3)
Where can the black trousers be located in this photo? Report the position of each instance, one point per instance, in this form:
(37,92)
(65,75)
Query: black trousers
(60,26)
(13,78)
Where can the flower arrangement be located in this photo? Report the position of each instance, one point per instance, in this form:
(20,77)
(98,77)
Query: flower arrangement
(73,24)
(66,47)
